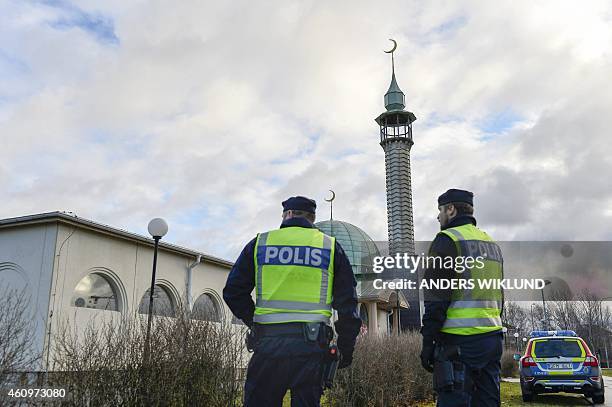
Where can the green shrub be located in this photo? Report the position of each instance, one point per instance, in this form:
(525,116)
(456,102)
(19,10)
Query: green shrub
(386,371)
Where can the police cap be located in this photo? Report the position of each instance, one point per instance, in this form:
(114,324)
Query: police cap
(300,203)
(456,195)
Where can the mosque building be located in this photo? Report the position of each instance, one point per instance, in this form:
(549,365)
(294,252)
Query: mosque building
(396,140)
(377,308)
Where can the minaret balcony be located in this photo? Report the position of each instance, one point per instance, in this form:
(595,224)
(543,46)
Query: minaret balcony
(396,126)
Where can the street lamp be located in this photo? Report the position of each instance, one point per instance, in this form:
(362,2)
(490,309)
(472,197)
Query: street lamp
(516,335)
(157,229)
(605,331)
(533,327)
(546,282)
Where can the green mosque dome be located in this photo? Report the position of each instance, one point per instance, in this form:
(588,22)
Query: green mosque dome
(358,246)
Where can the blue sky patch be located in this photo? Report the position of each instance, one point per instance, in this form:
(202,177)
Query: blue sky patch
(11,63)
(101,27)
(499,122)
(443,31)
(435,119)
(450,26)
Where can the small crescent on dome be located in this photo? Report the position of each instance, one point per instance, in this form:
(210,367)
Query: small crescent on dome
(332,197)
(394,46)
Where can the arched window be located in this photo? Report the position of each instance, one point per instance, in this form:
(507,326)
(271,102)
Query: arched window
(163,305)
(97,292)
(206,309)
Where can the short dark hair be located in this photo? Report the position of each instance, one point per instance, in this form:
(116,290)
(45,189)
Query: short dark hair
(302,214)
(462,208)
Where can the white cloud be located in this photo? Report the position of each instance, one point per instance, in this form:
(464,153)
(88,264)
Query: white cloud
(211,113)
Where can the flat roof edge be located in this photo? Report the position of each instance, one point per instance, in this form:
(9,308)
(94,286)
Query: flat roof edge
(67,218)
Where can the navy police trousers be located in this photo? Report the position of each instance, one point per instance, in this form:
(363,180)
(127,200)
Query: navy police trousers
(284,363)
(481,359)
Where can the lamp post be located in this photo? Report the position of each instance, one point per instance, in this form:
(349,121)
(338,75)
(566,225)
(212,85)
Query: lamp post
(157,229)
(516,335)
(546,282)
(533,328)
(605,331)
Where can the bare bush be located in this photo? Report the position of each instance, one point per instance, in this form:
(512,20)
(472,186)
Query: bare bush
(190,363)
(509,366)
(386,371)
(514,317)
(17,353)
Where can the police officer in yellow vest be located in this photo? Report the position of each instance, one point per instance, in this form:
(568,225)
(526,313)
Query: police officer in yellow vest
(299,274)
(462,328)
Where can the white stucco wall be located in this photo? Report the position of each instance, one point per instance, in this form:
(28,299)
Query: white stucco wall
(26,262)
(129,265)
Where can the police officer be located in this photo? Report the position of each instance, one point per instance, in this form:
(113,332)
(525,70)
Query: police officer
(462,328)
(299,274)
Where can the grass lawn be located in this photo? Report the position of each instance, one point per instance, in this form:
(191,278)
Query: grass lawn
(511,396)
(287,400)
(606,372)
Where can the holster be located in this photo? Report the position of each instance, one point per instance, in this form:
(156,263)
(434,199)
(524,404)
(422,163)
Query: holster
(250,339)
(323,334)
(318,332)
(330,366)
(450,374)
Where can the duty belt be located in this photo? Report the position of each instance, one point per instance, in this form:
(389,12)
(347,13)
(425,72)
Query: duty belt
(287,329)
(310,331)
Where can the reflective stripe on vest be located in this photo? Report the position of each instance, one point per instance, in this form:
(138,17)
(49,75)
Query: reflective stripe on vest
(294,275)
(475,311)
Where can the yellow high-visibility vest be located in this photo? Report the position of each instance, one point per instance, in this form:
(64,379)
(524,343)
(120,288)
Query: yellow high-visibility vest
(294,269)
(478,310)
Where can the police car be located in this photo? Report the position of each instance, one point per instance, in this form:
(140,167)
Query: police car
(560,361)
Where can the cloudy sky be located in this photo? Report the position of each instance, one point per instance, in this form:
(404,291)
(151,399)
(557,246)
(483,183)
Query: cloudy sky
(209,113)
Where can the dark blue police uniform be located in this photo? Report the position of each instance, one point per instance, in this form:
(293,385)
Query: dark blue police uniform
(480,354)
(283,358)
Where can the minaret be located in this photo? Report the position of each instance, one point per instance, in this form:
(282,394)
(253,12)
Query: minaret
(396,140)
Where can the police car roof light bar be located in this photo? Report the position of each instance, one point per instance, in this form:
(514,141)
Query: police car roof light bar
(540,334)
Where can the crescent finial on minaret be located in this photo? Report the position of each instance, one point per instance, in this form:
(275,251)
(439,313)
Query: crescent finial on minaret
(331,204)
(394,98)
(391,51)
